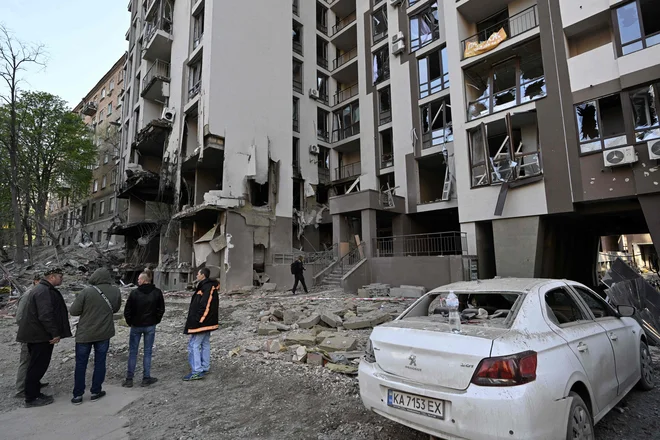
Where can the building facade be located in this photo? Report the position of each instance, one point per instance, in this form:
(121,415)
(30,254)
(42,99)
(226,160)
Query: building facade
(91,219)
(518,131)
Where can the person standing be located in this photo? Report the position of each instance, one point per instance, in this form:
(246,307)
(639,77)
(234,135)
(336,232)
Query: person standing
(24,359)
(45,323)
(95,305)
(202,320)
(297,269)
(144,310)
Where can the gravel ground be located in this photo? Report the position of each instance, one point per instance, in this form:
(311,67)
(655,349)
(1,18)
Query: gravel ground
(260,395)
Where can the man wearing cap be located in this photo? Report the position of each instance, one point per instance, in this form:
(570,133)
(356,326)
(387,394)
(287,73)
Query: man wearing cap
(44,322)
(25,355)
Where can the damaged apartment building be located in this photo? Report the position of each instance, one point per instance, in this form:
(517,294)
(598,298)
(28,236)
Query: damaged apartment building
(92,218)
(511,135)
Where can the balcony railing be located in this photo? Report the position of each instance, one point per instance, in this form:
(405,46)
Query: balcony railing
(295,6)
(323,28)
(418,245)
(194,90)
(322,61)
(323,135)
(344,58)
(297,47)
(513,26)
(344,133)
(387,160)
(159,69)
(297,85)
(296,125)
(324,176)
(348,171)
(384,117)
(344,22)
(150,29)
(345,94)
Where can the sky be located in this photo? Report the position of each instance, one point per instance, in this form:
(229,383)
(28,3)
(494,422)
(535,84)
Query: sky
(82,38)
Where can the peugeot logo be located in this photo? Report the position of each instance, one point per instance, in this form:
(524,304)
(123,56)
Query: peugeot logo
(413,360)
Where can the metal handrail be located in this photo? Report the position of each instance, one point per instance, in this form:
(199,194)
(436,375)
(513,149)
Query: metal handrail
(342,133)
(194,90)
(351,259)
(343,23)
(434,244)
(515,25)
(297,85)
(347,171)
(345,94)
(344,58)
(159,69)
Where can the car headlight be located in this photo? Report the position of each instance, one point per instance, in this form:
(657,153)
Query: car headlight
(369,354)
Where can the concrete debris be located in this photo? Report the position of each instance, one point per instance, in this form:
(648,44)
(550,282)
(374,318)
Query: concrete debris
(274,346)
(281,327)
(309,322)
(338,343)
(300,339)
(369,320)
(235,352)
(344,369)
(316,359)
(277,313)
(320,337)
(269,287)
(345,357)
(267,330)
(290,317)
(374,290)
(301,354)
(331,319)
(408,291)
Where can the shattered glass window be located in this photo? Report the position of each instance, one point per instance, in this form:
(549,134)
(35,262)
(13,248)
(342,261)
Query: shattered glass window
(499,153)
(379,25)
(588,126)
(477,89)
(477,159)
(433,73)
(381,66)
(437,126)
(504,86)
(630,31)
(645,115)
(532,79)
(424,27)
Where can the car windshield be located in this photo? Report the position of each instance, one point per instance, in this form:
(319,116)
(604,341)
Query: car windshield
(486,309)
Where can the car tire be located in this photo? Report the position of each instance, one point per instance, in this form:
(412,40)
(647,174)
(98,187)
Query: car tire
(646,381)
(580,422)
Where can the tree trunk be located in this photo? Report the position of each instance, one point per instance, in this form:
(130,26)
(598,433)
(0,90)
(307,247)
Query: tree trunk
(18,225)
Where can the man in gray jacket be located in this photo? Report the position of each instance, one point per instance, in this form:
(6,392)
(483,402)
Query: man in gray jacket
(95,305)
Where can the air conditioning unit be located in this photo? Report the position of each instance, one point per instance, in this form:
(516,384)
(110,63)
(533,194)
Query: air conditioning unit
(397,37)
(654,149)
(168,114)
(619,156)
(398,47)
(314,94)
(395,3)
(314,149)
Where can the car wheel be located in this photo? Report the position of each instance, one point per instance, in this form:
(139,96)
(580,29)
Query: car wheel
(580,422)
(647,381)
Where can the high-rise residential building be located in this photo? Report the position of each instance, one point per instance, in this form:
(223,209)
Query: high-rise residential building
(91,218)
(517,131)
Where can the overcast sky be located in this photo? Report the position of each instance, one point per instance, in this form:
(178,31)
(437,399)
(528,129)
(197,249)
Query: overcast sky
(83,39)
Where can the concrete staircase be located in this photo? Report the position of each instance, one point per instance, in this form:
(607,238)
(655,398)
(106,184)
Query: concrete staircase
(333,279)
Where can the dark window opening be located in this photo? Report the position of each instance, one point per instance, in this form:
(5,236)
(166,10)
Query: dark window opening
(346,122)
(381,65)
(297,37)
(321,18)
(258,193)
(379,25)
(324,165)
(296,115)
(432,172)
(384,106)
(437,128)
(322,194)
(322,125)
(433,73)
(485,27)
(297,76)
(645,104)
(321,52)
(297,194)
(601,124)
(562,308)
(322,87)
(296,157)
(424,27)
(386,149)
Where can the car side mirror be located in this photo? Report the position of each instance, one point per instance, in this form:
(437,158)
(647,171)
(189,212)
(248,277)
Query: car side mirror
(626,311)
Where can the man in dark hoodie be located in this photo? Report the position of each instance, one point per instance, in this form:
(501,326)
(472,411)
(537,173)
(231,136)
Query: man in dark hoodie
(95,305)
(44,322)
(144,310)
(202,320)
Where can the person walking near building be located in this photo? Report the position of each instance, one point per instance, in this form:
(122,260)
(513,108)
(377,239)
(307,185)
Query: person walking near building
(297,269)
(44,324)
(144,310)
(24,359)
(95,305)
(202,320)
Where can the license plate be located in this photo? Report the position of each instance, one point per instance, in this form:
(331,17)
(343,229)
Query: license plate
(416,404)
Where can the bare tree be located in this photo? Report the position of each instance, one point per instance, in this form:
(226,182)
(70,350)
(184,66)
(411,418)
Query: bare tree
(15,57)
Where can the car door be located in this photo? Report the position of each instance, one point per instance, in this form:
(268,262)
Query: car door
(622,335)
(586,339)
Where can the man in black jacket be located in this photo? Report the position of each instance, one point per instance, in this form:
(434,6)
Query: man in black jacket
(202,320)
(297,268)
(44,322)
(144,310)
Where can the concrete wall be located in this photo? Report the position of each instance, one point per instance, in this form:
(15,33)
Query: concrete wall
(429,272)
(573,11)
(518,246)
(359,276)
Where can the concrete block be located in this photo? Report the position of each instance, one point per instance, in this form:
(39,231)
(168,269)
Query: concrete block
(281,327)
(315,359)
(331,319)
(361,310)
(363,293)
(407,292)
(321,336)
(309,322)
(300,339)
(278,313)
(358,323)
(274,346)
(267,329)
(269,287)
(301,355)
(290,316)
(380,318)
(343,357)
(338,343)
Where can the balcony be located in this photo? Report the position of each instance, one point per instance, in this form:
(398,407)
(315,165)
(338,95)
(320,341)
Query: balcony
(297,85)
(344,32)
(295,7)
(344,133)
(322,62)
(344,58)
(348,171)
(157,40)
(344,23)
(346,94)
(156,82)
(194,90)
(436,244)
(488,39)
(89,109)
(296,125)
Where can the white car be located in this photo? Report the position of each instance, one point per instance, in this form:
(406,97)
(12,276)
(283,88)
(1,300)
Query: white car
(548,362)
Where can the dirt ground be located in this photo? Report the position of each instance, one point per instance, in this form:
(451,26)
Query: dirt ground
(259,395)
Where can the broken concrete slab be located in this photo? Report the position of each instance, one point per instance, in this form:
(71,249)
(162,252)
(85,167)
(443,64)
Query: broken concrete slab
(408,291)
(331,319)
(363,293)
(274,346)
(338,343)
(318,329)
(349,315)
(301,339)
(278,313)
(322,335)
(378,318)
(309,322)
(344,357)
(361,310)
(301,355)
(344,369)
(315,359)
(281,327)
(267,330)
(358,323)
(269,287)
(290,317)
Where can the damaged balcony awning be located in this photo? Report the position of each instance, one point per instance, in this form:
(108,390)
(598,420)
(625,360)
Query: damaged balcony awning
(151,139)
(210,158)
(144,185)
(198,211)
(136,229)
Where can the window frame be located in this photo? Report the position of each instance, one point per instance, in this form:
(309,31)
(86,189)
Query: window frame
(643,36)
(419,16)
(429,89)
(602,138)
(610,312)
(576,300)
(377,38)
(656,126)
(383,54)
(428,136)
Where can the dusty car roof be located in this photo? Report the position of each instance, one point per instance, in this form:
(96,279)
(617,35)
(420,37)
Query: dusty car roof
(494,285)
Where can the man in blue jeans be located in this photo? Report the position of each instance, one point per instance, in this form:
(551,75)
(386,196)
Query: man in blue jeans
(144,310)
(202,320)
(95,305)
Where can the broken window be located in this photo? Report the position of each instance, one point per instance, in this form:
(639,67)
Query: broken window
(638,26)
(296,157)
(322,194)
(437,124)
(504,85)
(324,165)
(297,194)
(532,79)
(384,106)
(600,124)
(321,52)
(321,18)
(297,76)
(424,27)
(296,117)
(297,37)
(478,156)
(381,65)
(322,86)
(433,73)
(386,149)
(645,114)
(433,173)
(562,308)
(322,128)
(379,24)
(195,79)
(258,193)
(346,122)
(198,28)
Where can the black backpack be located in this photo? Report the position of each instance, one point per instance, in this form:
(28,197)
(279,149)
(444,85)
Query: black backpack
(293,268)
